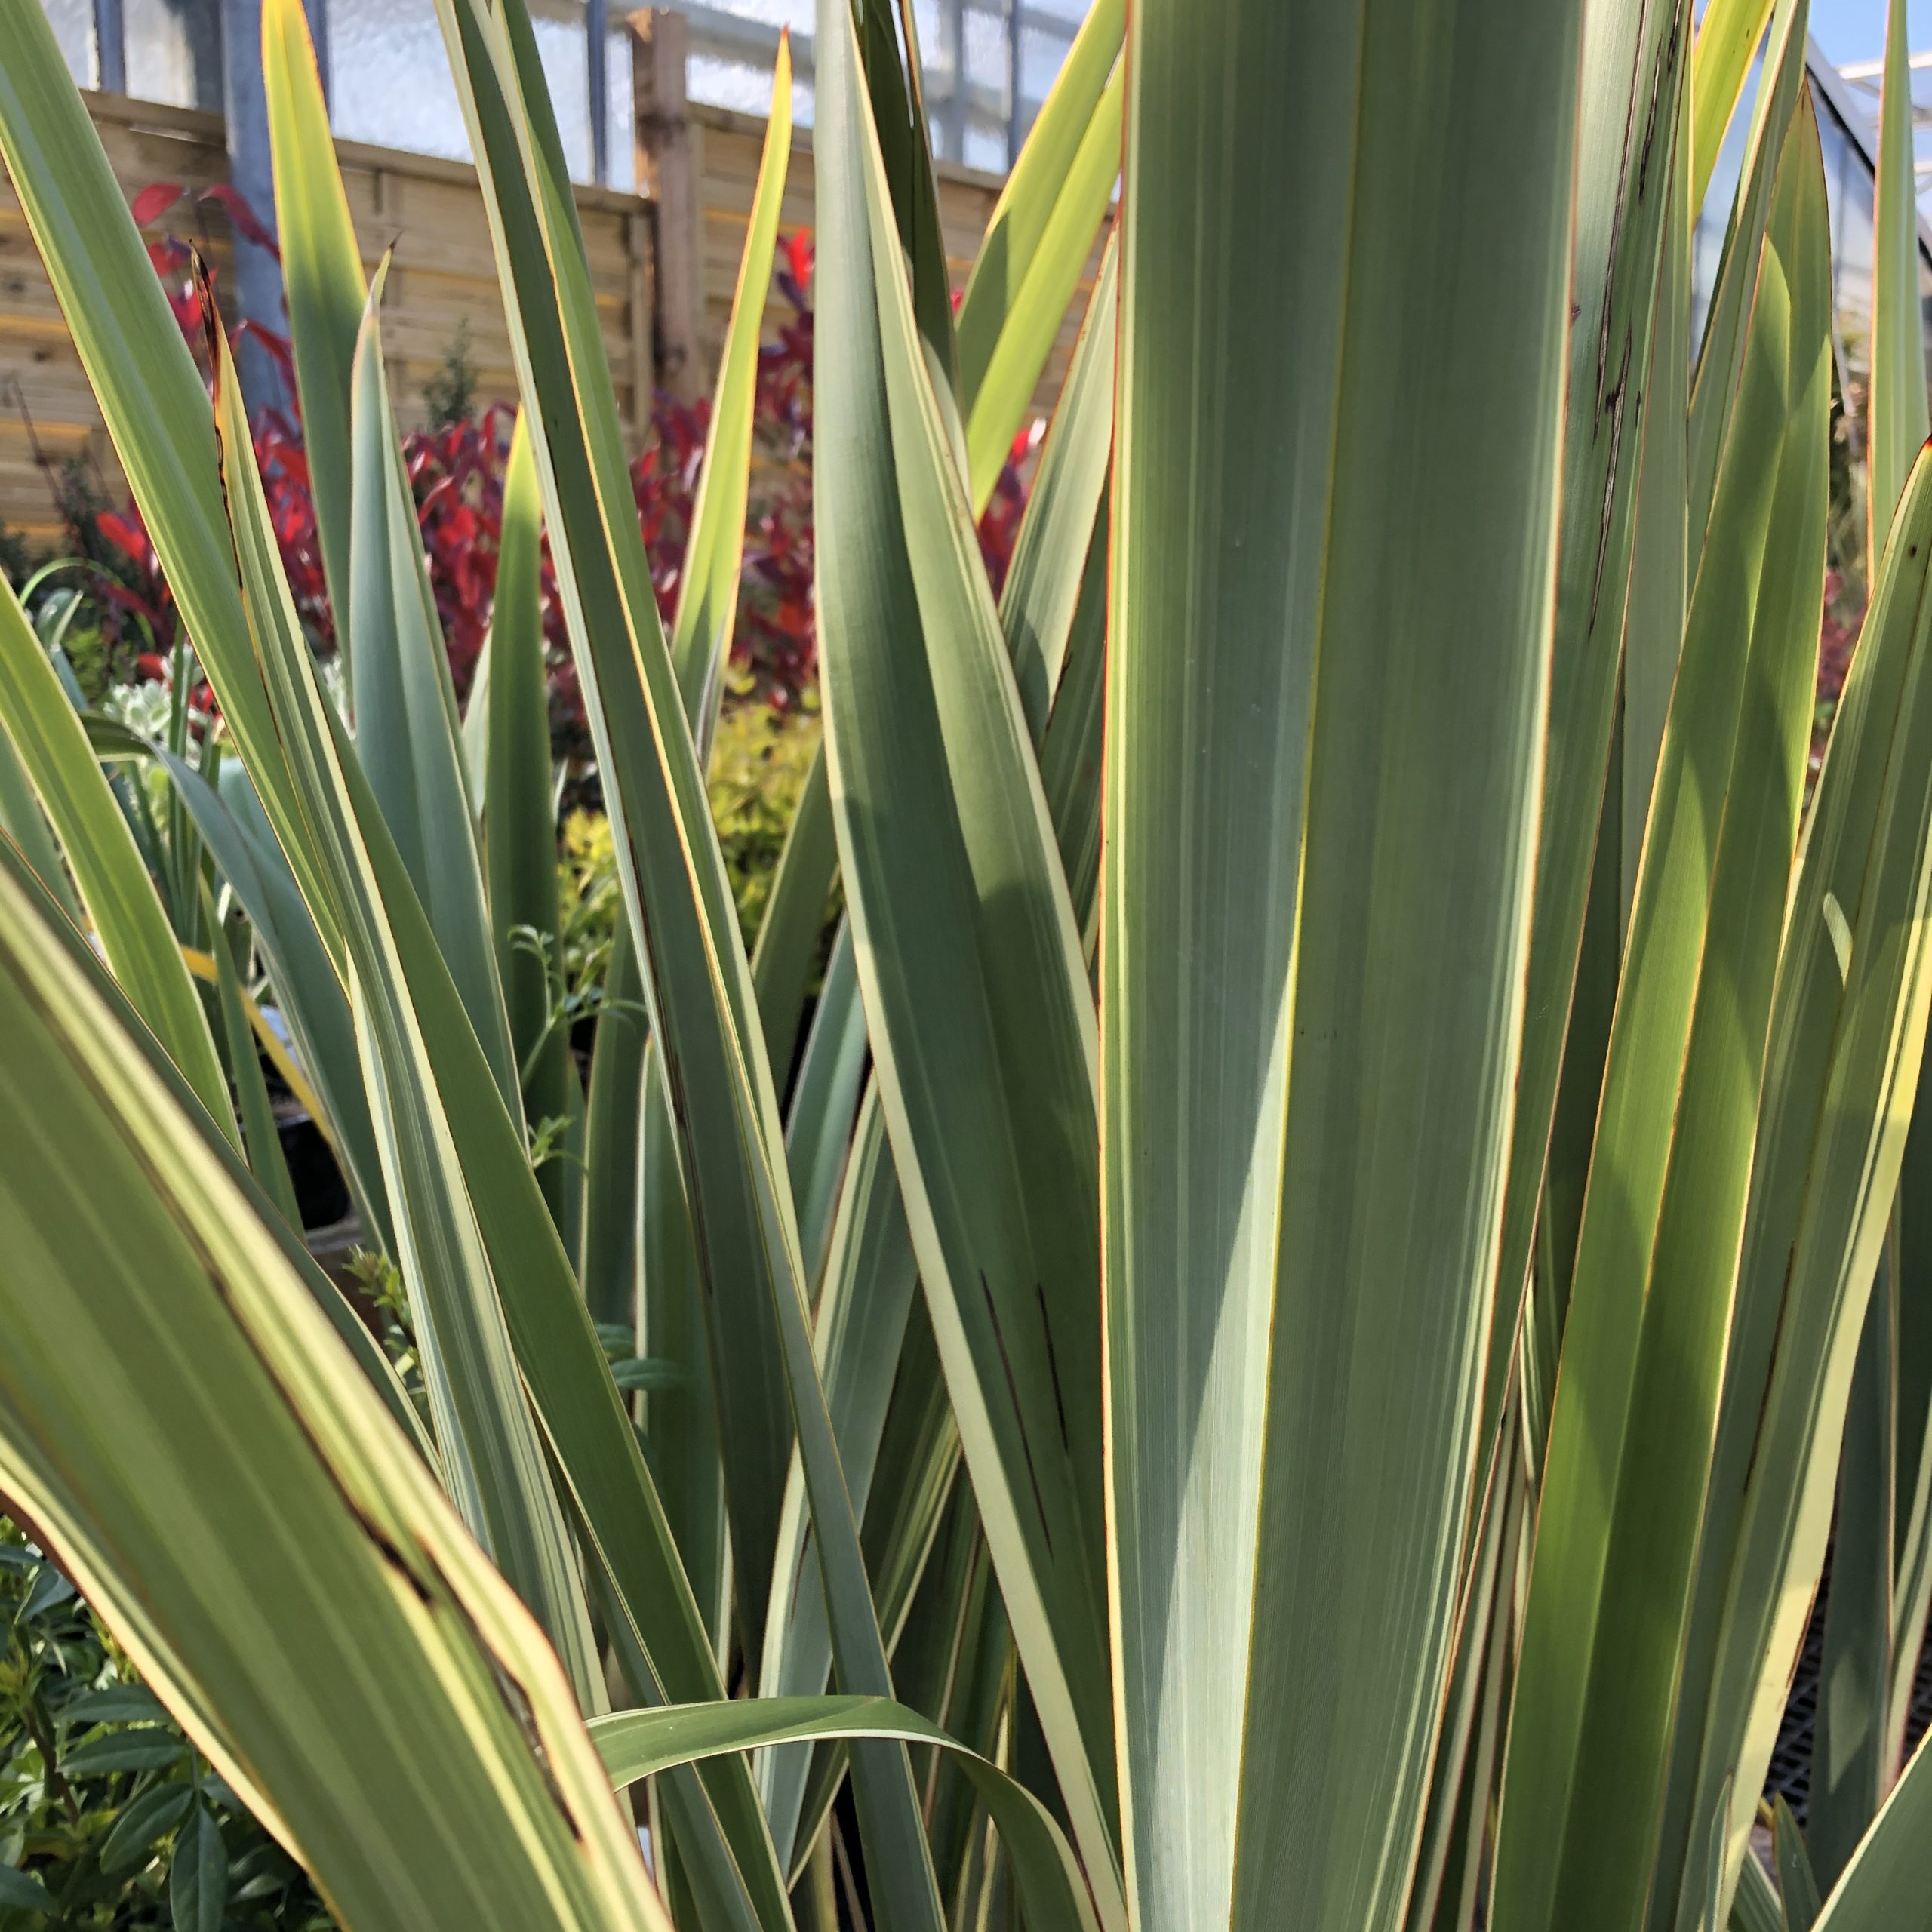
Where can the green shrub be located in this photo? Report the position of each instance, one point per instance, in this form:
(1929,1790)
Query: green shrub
(101,1792)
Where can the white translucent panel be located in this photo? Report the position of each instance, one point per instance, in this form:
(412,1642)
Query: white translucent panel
(798,15)
(390,78)
(1848,171)
(72,22)
(1073,12)
(734,84)
(986,54)
(1707,237)
(1848,195)
(620,135)
(986,149)
(174,51)
(1042,56)
(564,48)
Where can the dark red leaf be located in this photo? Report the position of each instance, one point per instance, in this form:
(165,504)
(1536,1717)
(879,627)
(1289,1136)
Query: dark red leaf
(154,202)
(128,538)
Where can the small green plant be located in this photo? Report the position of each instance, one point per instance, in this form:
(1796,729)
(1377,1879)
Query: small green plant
(760,760)
(109,1818)
(450,394)
(17,555)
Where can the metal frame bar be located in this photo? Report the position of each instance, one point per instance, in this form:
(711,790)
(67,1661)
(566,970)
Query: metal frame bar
(956,104)
(110,46)
(716,31)
(1016,19)
(318,11)
(597,49)
(1831,87)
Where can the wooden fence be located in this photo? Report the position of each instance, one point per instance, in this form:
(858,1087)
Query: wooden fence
(664,263)
(429,211)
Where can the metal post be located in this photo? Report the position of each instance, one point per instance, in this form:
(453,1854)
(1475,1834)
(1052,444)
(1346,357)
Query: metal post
(1014,132)
(257,296)
(110,41)
(596,28)
(318,11)
(949,137)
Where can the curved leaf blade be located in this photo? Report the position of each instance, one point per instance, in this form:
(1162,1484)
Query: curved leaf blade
(113,881)
(635,1744)
(1038,242)
(178,1420)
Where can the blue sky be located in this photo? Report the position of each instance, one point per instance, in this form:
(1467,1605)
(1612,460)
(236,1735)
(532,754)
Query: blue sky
(1855,30)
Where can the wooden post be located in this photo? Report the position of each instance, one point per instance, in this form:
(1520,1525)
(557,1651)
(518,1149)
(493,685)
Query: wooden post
(669,169)
(643,301)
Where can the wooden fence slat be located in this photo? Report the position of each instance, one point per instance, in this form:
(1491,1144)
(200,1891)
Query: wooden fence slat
(663,264)
(444,273)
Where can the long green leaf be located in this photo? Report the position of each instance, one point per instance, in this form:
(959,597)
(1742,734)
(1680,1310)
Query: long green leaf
(825,1101)
(1644,1341)
(484,1426)
(897,88)
(114,884)
(1797,1885)
(1045,581)
(1900,422)
(406,733)
(708,597)
(335,1306)
(1320,805)
(1635,55)
(1850,1771)
(959,910)
(157,410)
(872,1263)
(23,821)
(681,1421)
(788,936)
(1890,1415)
(1847,1035)
(1715,390)
(469,1235)
(1728,35)
(1890,1874)
(263,1142)
(612,1123)
(636,1744)
(179,1423)
(152,398)
(1036,243)
(696,985)
(519,826)
(698,981)
(322,277)
(310,998)
(871,1278)
(1660,557)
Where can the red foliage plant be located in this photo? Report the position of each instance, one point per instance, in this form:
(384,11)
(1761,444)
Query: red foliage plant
(456,475)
